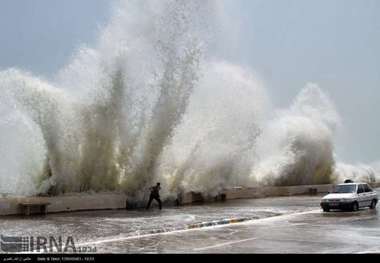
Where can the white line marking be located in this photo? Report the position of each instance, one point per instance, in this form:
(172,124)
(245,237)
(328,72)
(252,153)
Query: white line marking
(224,244)
(139,236)
(253,222)
(277,218)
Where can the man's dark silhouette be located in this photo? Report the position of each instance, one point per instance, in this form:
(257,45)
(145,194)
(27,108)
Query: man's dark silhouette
(155,194)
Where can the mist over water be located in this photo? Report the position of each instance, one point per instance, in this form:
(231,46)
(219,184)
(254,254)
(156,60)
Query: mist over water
(151,102)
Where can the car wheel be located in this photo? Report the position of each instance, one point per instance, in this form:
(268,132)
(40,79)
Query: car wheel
(326,210)
(373,204)
(355,207)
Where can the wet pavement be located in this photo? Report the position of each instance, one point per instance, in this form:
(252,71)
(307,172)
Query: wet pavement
(276,225)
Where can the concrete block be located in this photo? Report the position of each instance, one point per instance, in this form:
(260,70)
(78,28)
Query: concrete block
(99,201)
(10,206)
(270,191)
(66,203)
(191,198)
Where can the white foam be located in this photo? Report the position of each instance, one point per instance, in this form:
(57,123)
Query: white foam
(150,101)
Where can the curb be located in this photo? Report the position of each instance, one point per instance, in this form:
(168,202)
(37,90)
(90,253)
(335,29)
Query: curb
(220,222)
(200,225)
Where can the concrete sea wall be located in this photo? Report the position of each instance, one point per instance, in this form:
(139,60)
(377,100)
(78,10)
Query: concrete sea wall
(261,192)
(114,201)
(66,203)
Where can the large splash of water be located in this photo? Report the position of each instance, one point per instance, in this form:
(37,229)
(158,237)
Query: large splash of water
(297,144)
(149,102)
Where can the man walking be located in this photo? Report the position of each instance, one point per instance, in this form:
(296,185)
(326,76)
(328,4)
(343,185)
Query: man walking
(155,194)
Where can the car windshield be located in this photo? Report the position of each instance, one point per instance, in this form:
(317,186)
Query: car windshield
(342,189)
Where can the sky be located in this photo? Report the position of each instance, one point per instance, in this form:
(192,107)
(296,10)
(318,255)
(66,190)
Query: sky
(288,43)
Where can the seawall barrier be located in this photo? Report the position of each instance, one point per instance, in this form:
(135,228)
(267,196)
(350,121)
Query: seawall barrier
(116,201)
(66,203)
(261,192)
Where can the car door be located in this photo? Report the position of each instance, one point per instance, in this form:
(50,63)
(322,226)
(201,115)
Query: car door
(361,196)
(369,194)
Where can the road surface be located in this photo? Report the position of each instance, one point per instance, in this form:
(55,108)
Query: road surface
(271,225)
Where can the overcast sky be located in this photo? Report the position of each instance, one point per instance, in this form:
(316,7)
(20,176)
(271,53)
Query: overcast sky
(335,43)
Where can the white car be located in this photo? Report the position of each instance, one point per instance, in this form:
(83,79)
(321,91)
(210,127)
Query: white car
(350,196)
